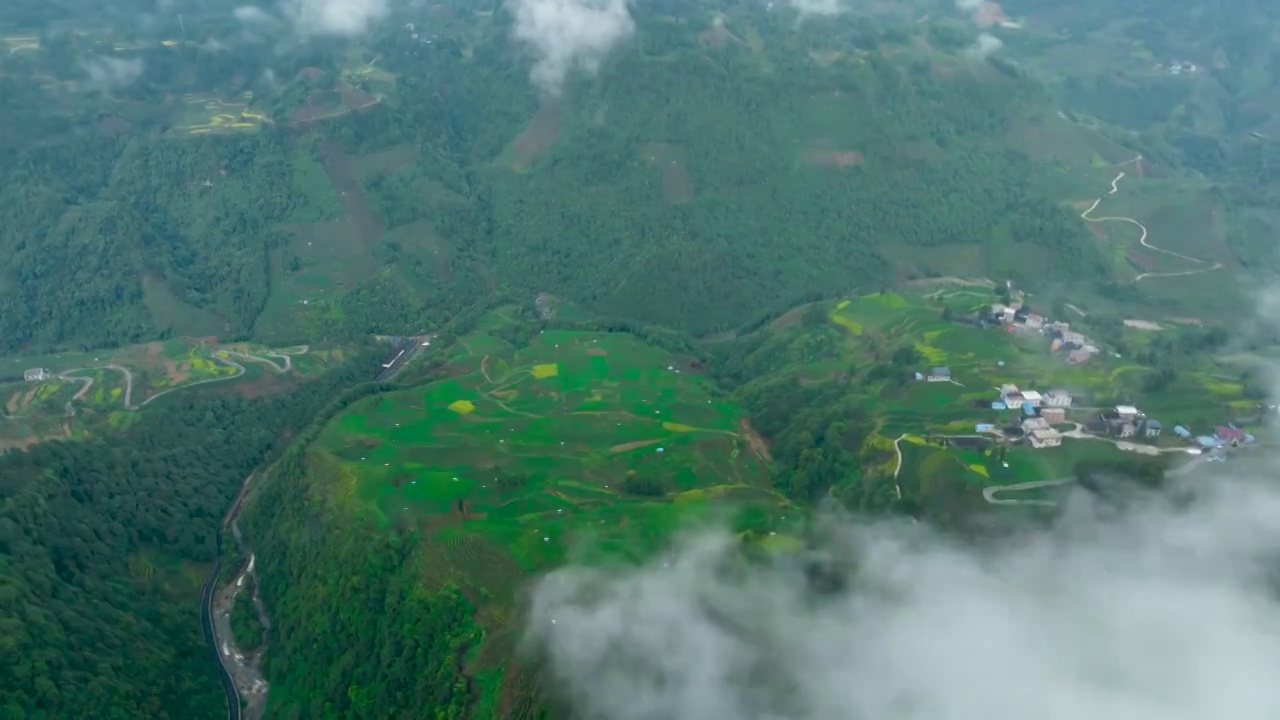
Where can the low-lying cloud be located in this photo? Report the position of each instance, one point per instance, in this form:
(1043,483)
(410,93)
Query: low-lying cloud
(569,35)
(108,73)
(335,18)
(1164,613)
(984,47)
(820,8)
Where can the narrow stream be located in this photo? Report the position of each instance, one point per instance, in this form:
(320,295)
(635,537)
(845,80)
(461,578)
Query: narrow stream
(244,667)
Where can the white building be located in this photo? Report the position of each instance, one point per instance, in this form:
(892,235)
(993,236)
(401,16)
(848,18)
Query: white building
(1034,322)
(1127,412)
(1033,397)
(1032,424)
(36,375)
(1074,338)
(1045,438)
(1058,398)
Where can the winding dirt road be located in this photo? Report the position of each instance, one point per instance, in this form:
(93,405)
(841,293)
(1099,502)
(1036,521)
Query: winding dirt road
(1143,239)
(284,354)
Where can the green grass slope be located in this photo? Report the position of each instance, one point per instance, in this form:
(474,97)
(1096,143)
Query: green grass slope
(420,513)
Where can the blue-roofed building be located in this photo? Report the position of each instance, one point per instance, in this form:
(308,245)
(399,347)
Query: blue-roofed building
(1208,441)
(983,427)
(919,376)
(1181,431)
(1028,409)
(997,405)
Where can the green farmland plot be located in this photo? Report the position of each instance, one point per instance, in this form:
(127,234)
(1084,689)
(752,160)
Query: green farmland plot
(581,434)
(594,445)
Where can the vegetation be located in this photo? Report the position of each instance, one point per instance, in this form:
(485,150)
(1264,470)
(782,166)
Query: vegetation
(104,545)
(445,497)
(745,236)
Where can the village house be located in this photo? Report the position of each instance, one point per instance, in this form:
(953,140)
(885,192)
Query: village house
(1033,397)
(1075,357)
(1073,338)
(1034,321)
(1152,428)
(1182,432)
(940,374)
(1045,438)
(35,375)
(1034,423)
(1229,434)
(1127,412)
(1058,399)
(1054,415)
(1127,430)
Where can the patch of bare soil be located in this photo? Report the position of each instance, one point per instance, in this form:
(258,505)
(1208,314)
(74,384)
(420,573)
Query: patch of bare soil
(538,136)
(677,185)
(597,351)
(789,318)
(177,373)
(12,404)
(21,443)
(356,99)
(633,445)
(112,125)
(834,158)
(757,442)
(260,386)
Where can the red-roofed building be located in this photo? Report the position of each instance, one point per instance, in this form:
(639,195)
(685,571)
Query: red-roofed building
(1226,433)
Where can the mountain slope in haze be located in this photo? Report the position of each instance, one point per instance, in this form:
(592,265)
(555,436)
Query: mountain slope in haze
(720,166)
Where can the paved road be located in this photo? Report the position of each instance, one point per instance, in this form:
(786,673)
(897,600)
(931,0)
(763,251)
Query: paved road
(206,622)
(989,493)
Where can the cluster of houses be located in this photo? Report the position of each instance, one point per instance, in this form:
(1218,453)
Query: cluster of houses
(1016,317)
(1224,436)
(1123,422)
(1039,413)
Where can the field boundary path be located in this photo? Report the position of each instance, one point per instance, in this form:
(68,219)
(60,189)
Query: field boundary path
(1143,239)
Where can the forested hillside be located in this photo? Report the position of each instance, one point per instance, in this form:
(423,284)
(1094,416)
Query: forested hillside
(722,167)
(699,277)
(104,545)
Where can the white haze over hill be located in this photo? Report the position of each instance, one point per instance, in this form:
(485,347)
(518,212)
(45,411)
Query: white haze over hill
(984,46)
(108,73)
(338,18)
(568,35)
(1161,614)
(820,8)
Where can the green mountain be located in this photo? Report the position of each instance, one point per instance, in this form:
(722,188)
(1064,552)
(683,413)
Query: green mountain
(692,284)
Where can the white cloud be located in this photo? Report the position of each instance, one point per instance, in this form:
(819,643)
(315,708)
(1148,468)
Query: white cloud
(1162,613)
(108,73)
(820,8)
(567,35)
(341,18)
(986,45)
(253,15)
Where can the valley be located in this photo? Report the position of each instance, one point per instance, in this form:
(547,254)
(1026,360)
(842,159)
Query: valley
(336,345)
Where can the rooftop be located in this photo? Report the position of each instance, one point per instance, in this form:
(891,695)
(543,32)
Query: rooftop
(1126,410)
(1031,395)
